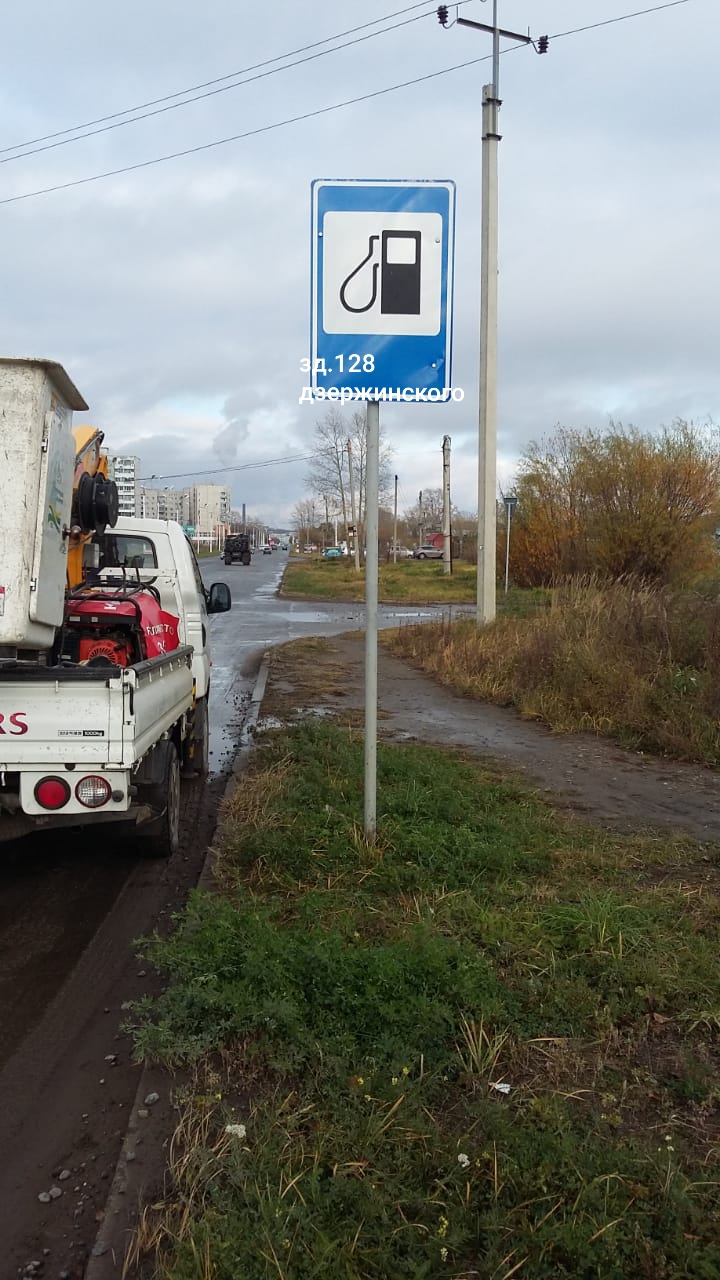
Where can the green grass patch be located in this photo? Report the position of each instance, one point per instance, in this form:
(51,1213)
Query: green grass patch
(359,1008)
(630,661)
(407,582)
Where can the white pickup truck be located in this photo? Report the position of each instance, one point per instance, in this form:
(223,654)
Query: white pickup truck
(97,744)
(104,654)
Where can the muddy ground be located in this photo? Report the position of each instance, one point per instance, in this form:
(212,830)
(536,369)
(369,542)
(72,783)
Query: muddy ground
(580,773)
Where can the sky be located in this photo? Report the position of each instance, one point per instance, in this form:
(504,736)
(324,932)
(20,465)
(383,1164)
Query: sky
(177,294)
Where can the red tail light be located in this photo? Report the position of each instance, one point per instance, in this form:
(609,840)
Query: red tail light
(52,793)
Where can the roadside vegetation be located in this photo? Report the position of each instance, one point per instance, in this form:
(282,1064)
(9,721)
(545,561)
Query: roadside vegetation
(486,1044)
(626,659)
(407,582)
(616,503)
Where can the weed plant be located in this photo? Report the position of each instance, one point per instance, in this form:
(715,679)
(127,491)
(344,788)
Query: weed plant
(483,1045)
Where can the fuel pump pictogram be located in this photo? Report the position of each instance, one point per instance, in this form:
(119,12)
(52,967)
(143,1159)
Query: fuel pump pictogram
(394,271)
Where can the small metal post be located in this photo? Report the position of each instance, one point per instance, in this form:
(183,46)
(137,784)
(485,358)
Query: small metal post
(510,504)
(447,558)
(352,503)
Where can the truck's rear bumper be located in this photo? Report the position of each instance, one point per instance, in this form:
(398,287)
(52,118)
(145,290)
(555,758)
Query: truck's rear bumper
(14,826)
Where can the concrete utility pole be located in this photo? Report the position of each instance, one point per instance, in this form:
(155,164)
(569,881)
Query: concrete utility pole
(356,536)
(447,557)
(422,518)
(395,524)
(487,420)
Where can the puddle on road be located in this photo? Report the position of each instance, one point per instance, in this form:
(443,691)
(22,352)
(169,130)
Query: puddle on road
(306,617)
(412,613)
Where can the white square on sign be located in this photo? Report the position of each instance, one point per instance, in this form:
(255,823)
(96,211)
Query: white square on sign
(382,272)
(401,250)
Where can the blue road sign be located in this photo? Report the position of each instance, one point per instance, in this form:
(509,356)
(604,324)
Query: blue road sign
(382,272)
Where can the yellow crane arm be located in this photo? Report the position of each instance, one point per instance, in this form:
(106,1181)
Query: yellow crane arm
(94,498)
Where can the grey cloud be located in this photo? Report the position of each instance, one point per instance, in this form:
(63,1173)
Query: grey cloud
(178,296)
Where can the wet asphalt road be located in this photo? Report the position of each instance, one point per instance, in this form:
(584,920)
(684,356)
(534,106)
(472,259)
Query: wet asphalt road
(260,619)
(70,912)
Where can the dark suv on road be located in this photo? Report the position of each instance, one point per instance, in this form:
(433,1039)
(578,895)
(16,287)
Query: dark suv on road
(237,547)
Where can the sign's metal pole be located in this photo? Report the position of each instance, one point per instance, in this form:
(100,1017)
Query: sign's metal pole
(371,615)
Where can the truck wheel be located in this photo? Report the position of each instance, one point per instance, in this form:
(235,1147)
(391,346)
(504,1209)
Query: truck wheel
(246,557)
(160,838)
(228,559)
(199,741)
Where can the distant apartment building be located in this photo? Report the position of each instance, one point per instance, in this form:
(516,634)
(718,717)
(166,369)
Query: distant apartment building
(209,507)
(125,471)
(166,504)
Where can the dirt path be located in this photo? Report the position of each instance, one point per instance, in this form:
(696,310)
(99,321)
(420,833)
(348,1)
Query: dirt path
(588,776)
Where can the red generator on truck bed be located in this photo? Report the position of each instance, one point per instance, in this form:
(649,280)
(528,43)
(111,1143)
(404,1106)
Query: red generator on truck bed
(118,627)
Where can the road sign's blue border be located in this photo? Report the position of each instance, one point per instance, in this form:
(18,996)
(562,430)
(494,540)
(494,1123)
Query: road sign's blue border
(422,363)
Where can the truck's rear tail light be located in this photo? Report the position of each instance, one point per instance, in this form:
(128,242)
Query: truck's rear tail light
(52,793)
(93,791)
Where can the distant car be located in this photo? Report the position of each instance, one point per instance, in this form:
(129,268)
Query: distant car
(266,550)
(332,553)
(428,551)
(284,546)
(402,553)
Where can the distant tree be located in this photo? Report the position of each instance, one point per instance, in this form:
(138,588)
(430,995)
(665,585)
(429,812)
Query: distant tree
(621,502)
(305,519)
(328,474)
(426,515)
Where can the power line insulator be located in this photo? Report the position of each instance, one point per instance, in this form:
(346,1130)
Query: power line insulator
(542,44)
(442,14)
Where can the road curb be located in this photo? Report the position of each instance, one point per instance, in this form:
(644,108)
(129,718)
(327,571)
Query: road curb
(108,1250)
(247,741)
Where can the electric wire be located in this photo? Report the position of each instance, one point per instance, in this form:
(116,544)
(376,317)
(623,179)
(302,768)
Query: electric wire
(50,144)
(623,17)
(119,124)
(244,466)
(309,115)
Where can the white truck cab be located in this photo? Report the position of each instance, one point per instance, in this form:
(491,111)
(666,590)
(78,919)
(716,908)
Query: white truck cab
(157,552)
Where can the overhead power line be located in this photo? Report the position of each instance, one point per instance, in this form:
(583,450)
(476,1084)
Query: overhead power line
(60,139)
(318,111)
(245,466)
(623,17)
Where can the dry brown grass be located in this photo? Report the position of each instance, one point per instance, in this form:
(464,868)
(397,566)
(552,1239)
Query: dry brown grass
(632,661)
